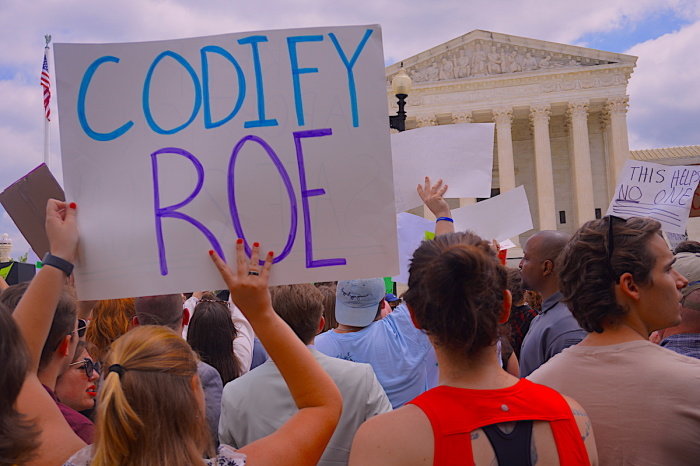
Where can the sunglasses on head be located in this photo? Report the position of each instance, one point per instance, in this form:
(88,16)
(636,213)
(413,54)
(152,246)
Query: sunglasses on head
(89,366)
(612,221)
(82,326)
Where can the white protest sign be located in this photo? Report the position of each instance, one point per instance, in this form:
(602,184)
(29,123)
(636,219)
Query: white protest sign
(411,231)
(461,154)
(662,192)
(173,148)
(501,217)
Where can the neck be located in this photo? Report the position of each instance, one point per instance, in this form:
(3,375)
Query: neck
(346,329)
(479,372)
(614,334)
(48,375)
(548,290)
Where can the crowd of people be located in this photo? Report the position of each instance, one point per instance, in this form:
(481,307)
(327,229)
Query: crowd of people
(585,354)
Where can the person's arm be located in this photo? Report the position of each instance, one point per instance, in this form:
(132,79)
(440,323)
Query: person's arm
(3,285)
(303,438)
(433,200)
(34,315)
(584,426)
(85,309)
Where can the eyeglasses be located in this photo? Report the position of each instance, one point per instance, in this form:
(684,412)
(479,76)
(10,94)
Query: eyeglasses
(89,366)
(612,221)
(82,326)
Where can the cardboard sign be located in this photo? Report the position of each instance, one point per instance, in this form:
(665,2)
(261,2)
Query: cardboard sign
(662,192)
(173,148)
(459,154)
(25,202)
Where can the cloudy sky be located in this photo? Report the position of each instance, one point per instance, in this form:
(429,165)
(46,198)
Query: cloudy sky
(665,35)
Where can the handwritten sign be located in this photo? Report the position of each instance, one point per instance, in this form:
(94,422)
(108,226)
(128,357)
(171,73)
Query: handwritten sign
(462,155)
(173,148)
(661,192)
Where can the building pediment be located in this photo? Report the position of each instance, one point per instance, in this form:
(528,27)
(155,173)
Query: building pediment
(484,54)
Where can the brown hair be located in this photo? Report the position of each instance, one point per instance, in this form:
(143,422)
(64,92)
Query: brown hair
(150,414)
(110,320)
(211,333)
(300,306)
(515,285)
(63,322)
(328,292)
(587,277)
(456,287)
(160,310)
(19,437)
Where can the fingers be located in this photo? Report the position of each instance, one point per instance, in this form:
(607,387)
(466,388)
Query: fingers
(255,257)
(441,192)
(265,272)
(223,269)
(241,258)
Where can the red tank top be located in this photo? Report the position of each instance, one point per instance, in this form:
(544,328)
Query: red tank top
(455,412)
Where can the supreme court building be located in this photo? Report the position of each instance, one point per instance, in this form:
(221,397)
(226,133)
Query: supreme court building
(560,113)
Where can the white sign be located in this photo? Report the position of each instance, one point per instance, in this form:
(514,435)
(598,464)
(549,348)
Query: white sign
(501,217)
(459,154)
(662,192)
(412,231)
(173,148)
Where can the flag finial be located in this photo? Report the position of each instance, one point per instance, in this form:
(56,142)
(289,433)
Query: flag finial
(48,39)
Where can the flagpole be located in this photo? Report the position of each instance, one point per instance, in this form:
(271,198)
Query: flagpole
(47,134)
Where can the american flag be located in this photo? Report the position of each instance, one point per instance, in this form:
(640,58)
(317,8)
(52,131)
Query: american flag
(46,84)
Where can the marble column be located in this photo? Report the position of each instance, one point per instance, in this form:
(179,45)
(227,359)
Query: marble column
(539,115)
(617,140)
(581,172)
(506,167)
(459,118)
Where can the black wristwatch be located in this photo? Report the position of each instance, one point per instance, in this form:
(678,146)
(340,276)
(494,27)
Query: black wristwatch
(55,261)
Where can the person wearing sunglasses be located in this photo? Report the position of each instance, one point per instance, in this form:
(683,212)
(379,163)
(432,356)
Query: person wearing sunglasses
(619,281)
(77,386)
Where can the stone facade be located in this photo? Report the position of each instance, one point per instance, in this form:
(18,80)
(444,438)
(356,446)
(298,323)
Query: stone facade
(560,114)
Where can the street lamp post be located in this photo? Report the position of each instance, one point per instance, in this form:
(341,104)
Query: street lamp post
(401,85)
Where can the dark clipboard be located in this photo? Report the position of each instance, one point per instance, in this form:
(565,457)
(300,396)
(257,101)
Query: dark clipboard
(25,202)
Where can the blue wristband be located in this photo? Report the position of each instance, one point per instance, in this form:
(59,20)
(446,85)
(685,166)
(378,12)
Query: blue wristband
(447,219)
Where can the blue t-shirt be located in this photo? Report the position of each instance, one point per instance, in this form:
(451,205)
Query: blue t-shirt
(401,355)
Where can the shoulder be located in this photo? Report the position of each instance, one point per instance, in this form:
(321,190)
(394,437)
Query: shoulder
(401,436)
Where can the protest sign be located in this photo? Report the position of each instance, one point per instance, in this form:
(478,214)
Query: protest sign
(461,154)
(661,192)
(173,148)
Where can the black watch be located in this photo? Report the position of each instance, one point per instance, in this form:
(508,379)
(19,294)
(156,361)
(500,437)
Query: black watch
(57,262)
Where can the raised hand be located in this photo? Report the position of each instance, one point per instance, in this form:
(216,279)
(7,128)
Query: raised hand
(61,229)
(432,197)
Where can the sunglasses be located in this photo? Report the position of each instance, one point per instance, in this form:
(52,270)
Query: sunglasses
(612,221)
(82,326)
(89,366)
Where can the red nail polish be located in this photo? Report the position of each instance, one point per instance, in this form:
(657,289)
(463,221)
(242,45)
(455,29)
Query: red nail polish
(211,252)
(256,245)
(72,205)
(239,241)
(270,253)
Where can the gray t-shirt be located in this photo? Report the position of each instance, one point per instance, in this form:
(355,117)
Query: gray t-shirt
(550,332)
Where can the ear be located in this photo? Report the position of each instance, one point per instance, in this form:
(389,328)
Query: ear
(321,324)
(135,322)
(185,316)
(505,311)
(628,287)
(547,267)
(413,317)
(64,347)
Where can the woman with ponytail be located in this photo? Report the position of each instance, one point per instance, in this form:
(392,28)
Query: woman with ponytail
(479,414)
(151,405)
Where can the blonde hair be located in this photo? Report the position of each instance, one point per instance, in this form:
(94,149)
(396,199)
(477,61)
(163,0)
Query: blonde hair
(150,413)
(110,320)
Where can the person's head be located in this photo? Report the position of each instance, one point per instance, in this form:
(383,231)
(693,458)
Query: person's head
(538,262)
(515,286)
(165,310)
(358,303)
(76,387)
(688,265)
(211,333)
(392,299)
(457,292)
(687,246)
(328,292)
(151,405)
(111,319)
(301,307)
(612,266)
(19,437)
(62,340)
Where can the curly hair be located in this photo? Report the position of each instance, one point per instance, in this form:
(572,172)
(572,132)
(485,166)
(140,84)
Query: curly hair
(110,320)
(456,287)
(587,276)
